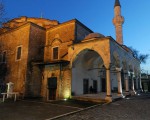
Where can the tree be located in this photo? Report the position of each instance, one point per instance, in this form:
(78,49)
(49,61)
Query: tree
(141,57)
(3,68)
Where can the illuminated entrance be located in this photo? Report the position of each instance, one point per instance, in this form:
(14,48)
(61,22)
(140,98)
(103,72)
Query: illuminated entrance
(52,87)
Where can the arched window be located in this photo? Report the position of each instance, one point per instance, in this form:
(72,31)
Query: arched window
(55,53)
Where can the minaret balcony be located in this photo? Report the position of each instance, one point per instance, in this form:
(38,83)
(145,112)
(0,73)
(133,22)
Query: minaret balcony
(118,20)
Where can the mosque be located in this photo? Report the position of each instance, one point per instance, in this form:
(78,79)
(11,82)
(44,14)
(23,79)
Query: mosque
(52,60)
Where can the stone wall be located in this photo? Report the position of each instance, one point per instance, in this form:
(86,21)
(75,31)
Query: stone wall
(60,36)
(121,57)
(63,81)
(16,22)
(35,54)
(81,32)
(16,69)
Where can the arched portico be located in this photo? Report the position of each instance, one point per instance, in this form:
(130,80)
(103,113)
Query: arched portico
(75,50)
(86,72)
(86,61)
(117,63)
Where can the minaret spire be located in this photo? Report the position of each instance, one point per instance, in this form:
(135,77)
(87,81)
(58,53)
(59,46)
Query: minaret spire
(117,3)
(118,20)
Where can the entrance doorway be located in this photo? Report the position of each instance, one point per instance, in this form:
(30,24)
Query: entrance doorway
(85,86)
(52,87)
(103,85)
(94,86)
(122,79)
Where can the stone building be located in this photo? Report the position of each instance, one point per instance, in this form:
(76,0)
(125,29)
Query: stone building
(45,58)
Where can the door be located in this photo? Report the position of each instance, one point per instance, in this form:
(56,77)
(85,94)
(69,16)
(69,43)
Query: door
(103,85)
(122,80)
(52,87)
(85,86)
(94,86)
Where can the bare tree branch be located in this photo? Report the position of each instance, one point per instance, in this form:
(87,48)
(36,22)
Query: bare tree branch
(141,57)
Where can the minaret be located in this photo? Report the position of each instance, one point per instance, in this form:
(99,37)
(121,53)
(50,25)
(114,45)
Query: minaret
(118,20)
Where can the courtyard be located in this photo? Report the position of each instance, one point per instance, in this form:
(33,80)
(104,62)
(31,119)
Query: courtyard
(34,109)
(129,108)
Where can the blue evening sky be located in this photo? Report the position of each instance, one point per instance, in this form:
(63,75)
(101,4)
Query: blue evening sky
(95,14)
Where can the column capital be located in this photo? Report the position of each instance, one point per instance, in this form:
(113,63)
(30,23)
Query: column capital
(118,69)
(107,66)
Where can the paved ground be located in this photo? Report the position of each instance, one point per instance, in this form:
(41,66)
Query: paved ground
(133,108)
(25,110)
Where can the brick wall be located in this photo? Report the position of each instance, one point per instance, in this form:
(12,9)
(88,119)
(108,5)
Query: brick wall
(36,54)
(61,36)
(16,68)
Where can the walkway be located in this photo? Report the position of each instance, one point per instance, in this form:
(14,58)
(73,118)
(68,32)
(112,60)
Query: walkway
(98,97)
(29,110)
(132,108)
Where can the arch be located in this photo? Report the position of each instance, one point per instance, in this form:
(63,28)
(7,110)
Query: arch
(86,68)
(105,57)
(55,40)
(124,65)
(116,59)
(130,66)
(136,72)
(88,56)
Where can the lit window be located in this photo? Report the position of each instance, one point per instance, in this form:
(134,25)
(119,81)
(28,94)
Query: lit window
(55,53)
(18,53)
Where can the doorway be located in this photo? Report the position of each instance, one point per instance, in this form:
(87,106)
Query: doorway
(103,85)
(122,80)
(52,87)
(94,86)
(85,86)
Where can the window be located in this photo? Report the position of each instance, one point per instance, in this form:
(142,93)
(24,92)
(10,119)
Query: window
(55,53)
(1,57)
(4,56)
(18,53)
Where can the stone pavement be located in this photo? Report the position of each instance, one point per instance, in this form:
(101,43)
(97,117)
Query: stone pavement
(27,110)
(132,108)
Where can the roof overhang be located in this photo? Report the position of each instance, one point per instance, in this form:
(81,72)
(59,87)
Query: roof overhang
(55,62)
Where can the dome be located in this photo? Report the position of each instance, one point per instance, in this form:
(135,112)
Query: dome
(94,35)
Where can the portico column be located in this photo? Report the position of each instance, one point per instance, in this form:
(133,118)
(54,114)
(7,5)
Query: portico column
(132,82)
(108,82)
(132,79)
(140,83)
(119,81)
(137,82)
(126,82)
